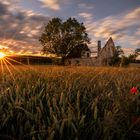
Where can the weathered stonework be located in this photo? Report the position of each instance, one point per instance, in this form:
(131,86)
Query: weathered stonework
(103,58)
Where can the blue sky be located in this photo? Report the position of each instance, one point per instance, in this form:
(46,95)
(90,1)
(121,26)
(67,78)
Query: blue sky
(21,22)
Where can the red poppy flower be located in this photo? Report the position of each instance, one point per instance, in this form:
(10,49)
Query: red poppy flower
(134,90)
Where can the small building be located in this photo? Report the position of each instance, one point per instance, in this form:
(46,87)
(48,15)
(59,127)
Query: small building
(82,55)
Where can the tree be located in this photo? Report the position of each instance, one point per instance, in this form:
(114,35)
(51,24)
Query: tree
(119,51)
(116,59)
(124,61)
(132,58)
(137,51)
(60,38)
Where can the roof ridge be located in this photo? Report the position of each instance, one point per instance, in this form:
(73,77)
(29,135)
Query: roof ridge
(110,39)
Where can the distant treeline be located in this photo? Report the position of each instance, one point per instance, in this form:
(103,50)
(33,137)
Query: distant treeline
(29,60)
(44,60)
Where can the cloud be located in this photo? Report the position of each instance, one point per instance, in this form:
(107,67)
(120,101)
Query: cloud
(133,15)
(124,28)
(138,32)
(86,15)
(3,9)
(19,29)
(85,6)
(52,4)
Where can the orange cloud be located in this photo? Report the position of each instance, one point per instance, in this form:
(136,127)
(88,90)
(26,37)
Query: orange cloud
(52,4)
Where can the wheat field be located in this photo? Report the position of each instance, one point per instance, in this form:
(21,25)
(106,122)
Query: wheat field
(69,103)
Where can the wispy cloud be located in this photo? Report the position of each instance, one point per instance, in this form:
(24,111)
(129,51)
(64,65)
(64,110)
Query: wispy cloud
(52,4)
(120,27)
(138,32)
(85,15)
(19,29)
(85,6)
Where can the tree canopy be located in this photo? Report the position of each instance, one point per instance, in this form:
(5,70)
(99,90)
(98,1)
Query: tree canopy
(137,51)
(118,57)
(119,51)
(60,38)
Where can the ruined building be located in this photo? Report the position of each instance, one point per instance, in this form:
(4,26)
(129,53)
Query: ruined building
(103,58)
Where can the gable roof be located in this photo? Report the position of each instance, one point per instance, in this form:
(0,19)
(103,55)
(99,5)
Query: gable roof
(109,41)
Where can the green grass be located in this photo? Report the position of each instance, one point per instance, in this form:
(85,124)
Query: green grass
(69,103)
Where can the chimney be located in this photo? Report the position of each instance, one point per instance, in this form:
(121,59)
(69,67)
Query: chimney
(98,47)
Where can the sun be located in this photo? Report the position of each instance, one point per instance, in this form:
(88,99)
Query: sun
(2,55)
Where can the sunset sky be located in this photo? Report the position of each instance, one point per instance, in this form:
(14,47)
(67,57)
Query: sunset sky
(21,22)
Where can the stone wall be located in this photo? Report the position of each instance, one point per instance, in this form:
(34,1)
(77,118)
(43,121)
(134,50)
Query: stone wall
(105,55)
(103,58)
(80,62)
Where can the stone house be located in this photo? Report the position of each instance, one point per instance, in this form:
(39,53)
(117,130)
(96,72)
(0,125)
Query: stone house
(79,56)
(103,57)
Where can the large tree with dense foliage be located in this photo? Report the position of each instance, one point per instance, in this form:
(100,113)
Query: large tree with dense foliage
(60,38)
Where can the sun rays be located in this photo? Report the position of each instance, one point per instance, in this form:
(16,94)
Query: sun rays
(2,55)
(8,65)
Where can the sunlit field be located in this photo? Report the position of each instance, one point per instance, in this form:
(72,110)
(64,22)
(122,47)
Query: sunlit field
(69,103)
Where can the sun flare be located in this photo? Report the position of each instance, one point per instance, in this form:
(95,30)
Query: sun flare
(2,55)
